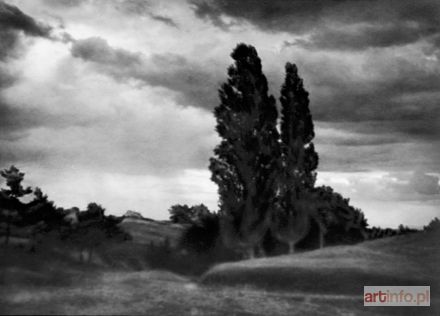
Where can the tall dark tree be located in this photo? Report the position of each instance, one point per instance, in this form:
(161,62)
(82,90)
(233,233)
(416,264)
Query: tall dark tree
(245,162)
(299,161)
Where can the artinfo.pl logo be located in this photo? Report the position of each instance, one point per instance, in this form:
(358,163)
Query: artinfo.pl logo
(396,296)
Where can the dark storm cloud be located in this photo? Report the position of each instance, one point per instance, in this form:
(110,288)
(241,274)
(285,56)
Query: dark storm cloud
(341,24)
(12,22)
(296,16)
(399,156)
(402,98)
(372,145)
(194,85)
(367,36)
(12,18)
(398,95)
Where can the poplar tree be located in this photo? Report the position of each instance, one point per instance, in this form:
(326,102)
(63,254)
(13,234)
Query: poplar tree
(245,162)
(297,174)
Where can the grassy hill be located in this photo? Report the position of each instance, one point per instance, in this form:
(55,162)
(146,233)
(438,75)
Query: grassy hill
(145,231)
(412,259)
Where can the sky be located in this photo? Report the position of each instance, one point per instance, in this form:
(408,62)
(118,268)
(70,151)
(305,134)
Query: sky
(111,101)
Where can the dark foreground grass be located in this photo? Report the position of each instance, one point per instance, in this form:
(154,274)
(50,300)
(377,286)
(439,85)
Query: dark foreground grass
(163,293)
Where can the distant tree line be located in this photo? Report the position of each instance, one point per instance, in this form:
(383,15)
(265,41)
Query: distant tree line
(26,221)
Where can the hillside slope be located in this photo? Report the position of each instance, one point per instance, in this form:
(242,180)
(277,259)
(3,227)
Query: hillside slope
(402,260)
(145,231)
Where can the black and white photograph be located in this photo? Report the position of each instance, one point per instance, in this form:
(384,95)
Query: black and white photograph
(220,157)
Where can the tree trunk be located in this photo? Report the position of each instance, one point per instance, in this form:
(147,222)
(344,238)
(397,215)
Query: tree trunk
(321,239)
(291,247)
(8,232)
(261,251)
(90,255)
(81,250)
(251,253)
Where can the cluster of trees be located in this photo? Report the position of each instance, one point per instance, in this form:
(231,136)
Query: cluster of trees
(36,216)
(265,175)
(266,172)
(88,229)
(184,214)
(27,220)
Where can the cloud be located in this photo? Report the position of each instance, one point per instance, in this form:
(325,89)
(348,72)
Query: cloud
(97,50)
(274,15)
(65,3)
(367,146)
(13,21)
(385,186)
(12,18)
(193,85)
(395,91)
(144,8)
(351,98)
(425,184)
(64,114)
(167,20)
(365,36)
(341,25)
(14,120)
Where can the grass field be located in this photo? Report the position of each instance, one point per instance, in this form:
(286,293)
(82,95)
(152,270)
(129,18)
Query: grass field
(44,283)
(402,260)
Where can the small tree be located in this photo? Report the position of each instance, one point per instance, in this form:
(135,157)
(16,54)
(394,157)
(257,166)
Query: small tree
(89,229)
(343,222)
(11,209)
(181,214)
(202,236)
(93,211)
(244,166)
(13,178)
(40,209)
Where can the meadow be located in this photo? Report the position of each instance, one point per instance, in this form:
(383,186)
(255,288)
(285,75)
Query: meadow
(328,281)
